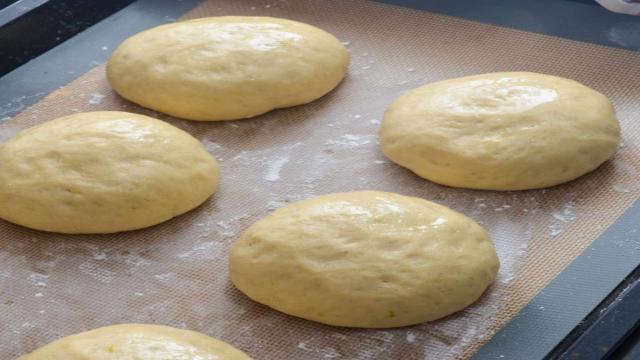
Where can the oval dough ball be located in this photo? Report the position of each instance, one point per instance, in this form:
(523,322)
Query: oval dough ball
(364,259)
(137,342)
(501,131)
(102,172)
(226,68)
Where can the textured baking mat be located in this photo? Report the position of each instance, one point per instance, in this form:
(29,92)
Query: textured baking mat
(176,273)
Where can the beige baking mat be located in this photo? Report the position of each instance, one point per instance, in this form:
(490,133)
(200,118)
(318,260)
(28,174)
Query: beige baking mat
(176,273)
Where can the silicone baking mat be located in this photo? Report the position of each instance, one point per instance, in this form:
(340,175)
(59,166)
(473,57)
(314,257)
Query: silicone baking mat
(176,273)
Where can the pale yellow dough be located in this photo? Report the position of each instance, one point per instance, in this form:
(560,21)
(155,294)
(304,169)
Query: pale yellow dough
(364,259)
(501,131)
(102,172)
(226,68)
(137,342)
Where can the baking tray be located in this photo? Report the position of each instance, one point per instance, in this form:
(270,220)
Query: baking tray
(175,273)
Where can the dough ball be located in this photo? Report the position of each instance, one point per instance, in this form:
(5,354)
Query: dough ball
(501,131)
(102,172)
(364,259)
(227,68)
(137,342)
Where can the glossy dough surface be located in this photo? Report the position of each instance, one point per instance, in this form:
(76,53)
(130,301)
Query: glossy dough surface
(137,342)
(226,68)
(501,131)
(364,259)
(102,172)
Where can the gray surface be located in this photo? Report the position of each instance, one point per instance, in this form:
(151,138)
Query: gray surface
(571,296)
(60,65)
(588,22)
(18,8)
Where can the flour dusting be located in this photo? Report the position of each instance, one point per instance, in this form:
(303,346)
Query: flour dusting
(16,105)
(350,140)
(93,270)
(96,98)
(274,204)
(39,280)
(621,188)
(565,214)
(411,337)
(562,217)
(204,250)
(274,167)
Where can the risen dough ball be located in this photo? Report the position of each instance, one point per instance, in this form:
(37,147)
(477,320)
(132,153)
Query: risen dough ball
(501,131)
(226,68)
(137,342)
(364,259)
(102,172)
